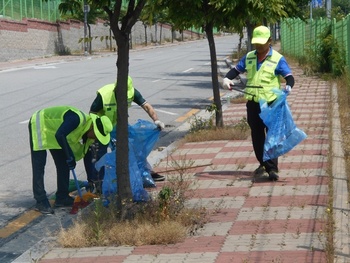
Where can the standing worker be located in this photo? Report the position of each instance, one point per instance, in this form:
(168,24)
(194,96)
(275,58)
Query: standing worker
(105,103)
(67,133)
(263,66)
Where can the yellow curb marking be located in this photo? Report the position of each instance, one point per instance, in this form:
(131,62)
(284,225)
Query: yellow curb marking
(19,223)
(187,115)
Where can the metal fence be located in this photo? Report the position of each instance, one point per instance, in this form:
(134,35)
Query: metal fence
(40,9)
(297,35)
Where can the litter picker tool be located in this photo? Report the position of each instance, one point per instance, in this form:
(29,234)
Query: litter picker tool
(241,88)
(80,201)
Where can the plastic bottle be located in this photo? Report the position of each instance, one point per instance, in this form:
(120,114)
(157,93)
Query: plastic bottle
(228,99)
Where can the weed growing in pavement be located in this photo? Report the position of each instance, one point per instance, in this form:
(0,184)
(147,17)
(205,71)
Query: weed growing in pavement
(236,131)
(343,89)
(200,123)
(180,167)
(343,85)
(165,219)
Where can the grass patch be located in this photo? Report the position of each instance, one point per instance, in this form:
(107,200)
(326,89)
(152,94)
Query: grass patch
(238,100)
(128,233)
(165,219)
(236,131)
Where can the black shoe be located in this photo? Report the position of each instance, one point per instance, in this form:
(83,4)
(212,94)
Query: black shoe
(273,176)
(44,207)
(98,187)
(90,187)
(68,201)
(157,177)
(259,171)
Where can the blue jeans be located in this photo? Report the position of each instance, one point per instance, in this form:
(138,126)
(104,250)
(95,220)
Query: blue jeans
(38,169)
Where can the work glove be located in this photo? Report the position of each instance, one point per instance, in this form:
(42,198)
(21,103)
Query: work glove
(160,124)
(71,163)
(226,83)
(287,89)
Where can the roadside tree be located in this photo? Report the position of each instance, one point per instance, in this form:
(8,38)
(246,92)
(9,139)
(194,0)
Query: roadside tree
(223,15)
(122,15)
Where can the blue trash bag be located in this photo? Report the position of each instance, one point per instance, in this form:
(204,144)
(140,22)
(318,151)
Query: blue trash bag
(109,184)
(144,134)
(282,135)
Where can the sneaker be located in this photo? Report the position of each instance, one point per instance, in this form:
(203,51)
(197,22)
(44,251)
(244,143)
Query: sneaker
(259,171)
(68,201)
(44,207)
(157,177)
(273,176)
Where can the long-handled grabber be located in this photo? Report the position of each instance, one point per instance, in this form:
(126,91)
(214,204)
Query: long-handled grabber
(80,201)
(236,88)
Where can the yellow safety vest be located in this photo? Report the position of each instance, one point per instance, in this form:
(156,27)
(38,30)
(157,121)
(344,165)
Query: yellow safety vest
(109,100)
(264,77)
(45,123)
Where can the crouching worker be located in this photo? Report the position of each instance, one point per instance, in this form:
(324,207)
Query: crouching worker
(105,103)
(67,133)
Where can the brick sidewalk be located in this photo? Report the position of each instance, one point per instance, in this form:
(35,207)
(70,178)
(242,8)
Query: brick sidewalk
(252,219)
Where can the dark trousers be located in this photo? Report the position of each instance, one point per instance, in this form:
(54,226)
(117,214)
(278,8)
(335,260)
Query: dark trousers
(38,169)
(95,152)
(258,133)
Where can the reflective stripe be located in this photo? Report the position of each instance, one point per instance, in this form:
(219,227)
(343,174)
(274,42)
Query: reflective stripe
(84,120)
(38,130)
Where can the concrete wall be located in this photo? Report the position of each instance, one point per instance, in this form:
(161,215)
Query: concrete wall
(32,38)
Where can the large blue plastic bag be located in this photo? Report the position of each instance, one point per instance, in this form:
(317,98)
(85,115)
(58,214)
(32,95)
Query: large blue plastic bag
(282,135)
(109,184)
(144,134)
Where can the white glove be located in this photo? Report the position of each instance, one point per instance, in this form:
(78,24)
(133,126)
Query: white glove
(160,124)
(287,89)
(226,83)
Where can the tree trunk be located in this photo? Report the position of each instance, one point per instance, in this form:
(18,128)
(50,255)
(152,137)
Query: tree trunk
(122,35)
(156,32)
(122,153)
(90,40)
(214,75)
(172,34)
(145,35)
(239,49)
(250,28)
(160,34)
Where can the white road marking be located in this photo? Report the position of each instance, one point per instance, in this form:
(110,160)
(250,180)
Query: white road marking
(44,67)
(24,122)
(158,80)
(187,70)
(166,112)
